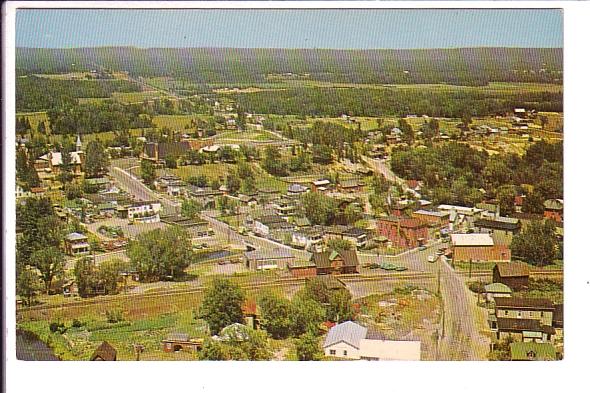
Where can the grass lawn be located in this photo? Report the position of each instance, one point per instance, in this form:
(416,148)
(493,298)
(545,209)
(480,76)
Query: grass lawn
(211,171)
(251,135)
(135,97)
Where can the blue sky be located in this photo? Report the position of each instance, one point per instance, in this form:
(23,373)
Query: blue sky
(354,29)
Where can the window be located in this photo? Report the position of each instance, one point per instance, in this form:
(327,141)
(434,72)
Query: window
(541,314)
(332,352)
(345,352)
(505,312)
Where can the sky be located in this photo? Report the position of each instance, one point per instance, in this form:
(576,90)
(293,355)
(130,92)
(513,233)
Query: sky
(336,29)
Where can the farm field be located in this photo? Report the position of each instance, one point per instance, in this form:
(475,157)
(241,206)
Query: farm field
(136,97)
(177,122)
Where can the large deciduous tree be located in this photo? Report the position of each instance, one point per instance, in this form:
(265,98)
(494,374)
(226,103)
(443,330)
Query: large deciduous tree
(161,253)
(537,243)
(222,305)
(275,313)
(50,262)
(97,160)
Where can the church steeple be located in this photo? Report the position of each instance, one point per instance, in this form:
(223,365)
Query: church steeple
(78,144)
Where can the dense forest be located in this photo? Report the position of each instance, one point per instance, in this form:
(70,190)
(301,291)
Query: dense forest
(463,66)
(394,102)
(36,93)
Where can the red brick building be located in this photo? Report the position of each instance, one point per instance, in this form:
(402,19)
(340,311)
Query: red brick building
(403,232)
(554,209)
(436,219)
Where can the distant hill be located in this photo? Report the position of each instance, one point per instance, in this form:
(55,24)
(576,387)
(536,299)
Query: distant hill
(463,66)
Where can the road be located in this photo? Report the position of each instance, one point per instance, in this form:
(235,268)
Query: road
(134,186)
(382,167)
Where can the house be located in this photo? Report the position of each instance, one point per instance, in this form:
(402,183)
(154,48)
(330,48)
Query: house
(356,236)
(265,224)
(320,185)
(285,207)
(204,196)
(144,211)
(524,319)
(503,225)
(532,351)
(349,340)
(513,274)
(76,244)
(438,219)
(176,342)
(403,232)
(335,262)
(350,186)
(554,209)
(277,258)
(158,151)
(21,193)
(478,247)
(302,268)
(460,216)
(307,238)
(104,352)
(296,189)
(497,289)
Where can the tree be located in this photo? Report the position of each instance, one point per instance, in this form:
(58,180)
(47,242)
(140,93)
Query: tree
(73,191)
(505,196)
(272,162)
(213,350)
(97,160)
(322,154)
(226,154)
(86,276)
(198,181)
(50,262)
(27,285)
(533,203)
(318,208)
(308,347)
(537,243)
(339,244)
(41,129)
(109,274)
(171,162)
(233,182)
(275,313)
(161,253)
(190,208)
(407,131)
(307,314)
(222,305)
(148,172)
(65,174)
(340,306)
(353,213)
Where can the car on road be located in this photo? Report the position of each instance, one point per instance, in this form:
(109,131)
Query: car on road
(400,268)
(432,258)
(388,266)
(422,248)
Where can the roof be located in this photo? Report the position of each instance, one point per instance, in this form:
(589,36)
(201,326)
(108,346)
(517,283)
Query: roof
(177,337)
(471,239)
(497,287)
(553,204)
(265,254)
(460,209)
(497,253)
(491,207)
(57,160)
(270,219)
(296,188)
(76,236)
(390,350)
(348,332)
(321,259)
(249,307)
(349,257)
(431,213)
(518,324)
(350,183)
(105,351)
(353,231)
(97,181)
(524,303)
(532,351)
(323,182)
(512,269)
(503,223)
(406,222)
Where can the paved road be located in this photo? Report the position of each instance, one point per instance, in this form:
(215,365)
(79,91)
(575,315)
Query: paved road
(134,186)
(383,168)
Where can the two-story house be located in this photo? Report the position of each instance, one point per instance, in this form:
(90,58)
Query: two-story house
(523,319)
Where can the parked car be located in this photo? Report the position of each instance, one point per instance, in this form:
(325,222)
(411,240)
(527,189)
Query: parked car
(422,248)
(388,266)
(400,268)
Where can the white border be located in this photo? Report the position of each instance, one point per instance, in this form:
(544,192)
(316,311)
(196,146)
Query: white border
(347,376)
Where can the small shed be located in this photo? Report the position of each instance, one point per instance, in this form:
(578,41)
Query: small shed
(513,274)
(104,352)
(497,289)
(176,342)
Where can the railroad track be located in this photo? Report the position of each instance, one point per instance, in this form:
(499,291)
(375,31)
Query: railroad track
(284,282)
(533,273)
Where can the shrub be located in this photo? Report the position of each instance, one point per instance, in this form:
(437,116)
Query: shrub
(76,323)
(114,316)
(57,327)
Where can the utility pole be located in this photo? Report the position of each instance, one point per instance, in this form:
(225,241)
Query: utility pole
(438,281)
(470,260)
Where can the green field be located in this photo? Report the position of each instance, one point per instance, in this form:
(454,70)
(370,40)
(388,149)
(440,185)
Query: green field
(136,97)
(177,122)
(250,135)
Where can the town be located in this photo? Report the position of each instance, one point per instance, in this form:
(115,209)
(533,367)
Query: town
(159,220)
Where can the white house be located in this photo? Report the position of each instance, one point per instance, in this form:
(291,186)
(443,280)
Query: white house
(349,340)
(306,238)
(144,212)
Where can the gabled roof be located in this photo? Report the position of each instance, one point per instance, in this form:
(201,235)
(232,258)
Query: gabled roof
(176,336)
(553,204)
(497,287)
(265,254)
(518,324)
(502,223)
(524,303)
(348,332)
(349,257)
(321,259)
(76,236)
(105,352)
(512,269)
